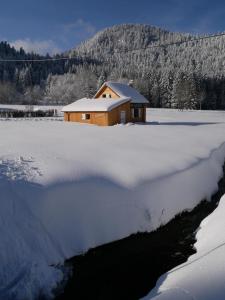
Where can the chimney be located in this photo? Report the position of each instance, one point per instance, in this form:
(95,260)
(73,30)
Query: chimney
(131,82)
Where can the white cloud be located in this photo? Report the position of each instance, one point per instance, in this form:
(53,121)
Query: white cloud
(36,46)
(80,24)
(74,32)
(80,29)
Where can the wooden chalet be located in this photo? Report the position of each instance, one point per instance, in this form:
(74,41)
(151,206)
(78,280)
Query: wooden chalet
(113,103)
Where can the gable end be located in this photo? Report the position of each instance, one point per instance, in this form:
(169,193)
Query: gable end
(106,90)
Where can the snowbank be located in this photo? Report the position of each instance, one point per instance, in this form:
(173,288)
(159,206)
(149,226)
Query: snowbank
(67,187)
(202,276)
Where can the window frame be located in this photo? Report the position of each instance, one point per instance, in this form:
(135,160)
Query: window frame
(86,116)
(136,113)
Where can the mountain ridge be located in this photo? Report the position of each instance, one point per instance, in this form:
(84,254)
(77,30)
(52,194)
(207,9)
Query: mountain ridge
(184,75)
(127,37)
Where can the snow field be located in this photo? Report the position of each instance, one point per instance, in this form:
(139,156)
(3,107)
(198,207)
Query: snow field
(67,187)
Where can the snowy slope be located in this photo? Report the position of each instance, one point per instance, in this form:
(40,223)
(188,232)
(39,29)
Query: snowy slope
(202,277)
(67,187)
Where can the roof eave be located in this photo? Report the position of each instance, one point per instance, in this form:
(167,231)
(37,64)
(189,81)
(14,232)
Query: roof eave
(123,101)
(140,102)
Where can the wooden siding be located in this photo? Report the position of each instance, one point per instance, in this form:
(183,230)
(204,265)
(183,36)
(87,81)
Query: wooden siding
(114,115)
(100,118)
(142,117)
(106,90)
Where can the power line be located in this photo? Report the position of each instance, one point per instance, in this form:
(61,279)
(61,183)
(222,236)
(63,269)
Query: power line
(117,51)
(37,60)
(175,43)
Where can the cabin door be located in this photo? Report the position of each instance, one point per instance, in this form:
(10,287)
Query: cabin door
(123,117)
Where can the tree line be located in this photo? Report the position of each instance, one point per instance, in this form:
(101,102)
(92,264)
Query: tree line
(189,75)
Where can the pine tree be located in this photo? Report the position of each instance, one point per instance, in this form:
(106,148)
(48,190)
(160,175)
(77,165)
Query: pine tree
(101,80)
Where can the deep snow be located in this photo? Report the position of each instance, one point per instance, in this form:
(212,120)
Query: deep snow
(67,187)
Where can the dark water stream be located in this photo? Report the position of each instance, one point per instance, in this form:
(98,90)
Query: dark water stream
(129,268)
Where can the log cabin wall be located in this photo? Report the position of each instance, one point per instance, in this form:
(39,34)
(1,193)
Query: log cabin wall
(100,118)
(141,112)
(114,115)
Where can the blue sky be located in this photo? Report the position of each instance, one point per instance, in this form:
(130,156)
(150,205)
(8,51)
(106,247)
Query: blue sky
(58,25)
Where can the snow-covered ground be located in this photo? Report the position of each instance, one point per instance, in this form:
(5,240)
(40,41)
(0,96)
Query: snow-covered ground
(56,108)
(34,107)
(67,187)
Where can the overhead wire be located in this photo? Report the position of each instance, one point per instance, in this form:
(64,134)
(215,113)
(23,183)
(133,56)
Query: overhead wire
(117,51)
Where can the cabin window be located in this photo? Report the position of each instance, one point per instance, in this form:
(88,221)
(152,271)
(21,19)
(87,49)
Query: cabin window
(86,116)
(136,113)
(106,96)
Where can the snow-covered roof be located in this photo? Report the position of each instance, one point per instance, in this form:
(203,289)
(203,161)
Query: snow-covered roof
(124,90)
(101,104)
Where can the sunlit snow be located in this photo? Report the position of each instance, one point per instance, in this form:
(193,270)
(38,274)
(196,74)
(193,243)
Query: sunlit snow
(67,187)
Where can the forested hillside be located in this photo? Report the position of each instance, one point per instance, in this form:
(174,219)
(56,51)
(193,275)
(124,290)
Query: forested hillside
(29,82)
(186,75)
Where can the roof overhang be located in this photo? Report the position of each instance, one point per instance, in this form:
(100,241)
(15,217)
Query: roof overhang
(95,105)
